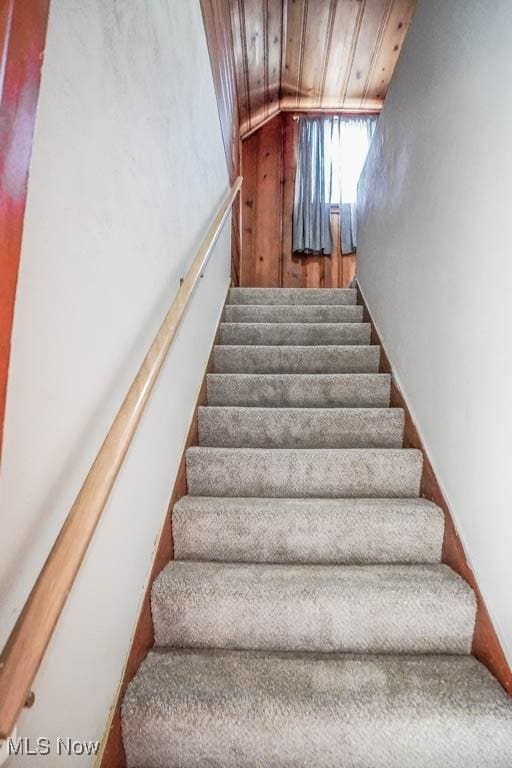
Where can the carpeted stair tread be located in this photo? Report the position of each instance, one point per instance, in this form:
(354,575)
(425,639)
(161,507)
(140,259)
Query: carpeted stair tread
(237,709)
(285,390)
(307,530)
(293,313)
(230,358)
(235,427)
(347,608)
(301,334)
(292,296)
(306,473)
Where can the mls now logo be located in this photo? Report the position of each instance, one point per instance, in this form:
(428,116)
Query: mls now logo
(43,746)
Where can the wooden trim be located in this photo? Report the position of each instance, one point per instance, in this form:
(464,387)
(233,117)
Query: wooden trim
(321,111)
(311,113)
(113,755)
(29,639)
(260,125)
(486,645)
(22,39)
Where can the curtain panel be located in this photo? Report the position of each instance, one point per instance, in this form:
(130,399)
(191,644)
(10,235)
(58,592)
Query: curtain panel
(330,156)
(311,210)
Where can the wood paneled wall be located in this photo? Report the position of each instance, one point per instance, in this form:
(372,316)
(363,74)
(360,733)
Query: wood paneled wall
(262,206)
(217,24)
(270,57)
(269,159)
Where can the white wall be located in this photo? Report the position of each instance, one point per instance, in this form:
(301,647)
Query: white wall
(128,168)
(435,265)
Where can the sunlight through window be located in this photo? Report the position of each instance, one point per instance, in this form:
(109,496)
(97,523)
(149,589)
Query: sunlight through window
(346,146)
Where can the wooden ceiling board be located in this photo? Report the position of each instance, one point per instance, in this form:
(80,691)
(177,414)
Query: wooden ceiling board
(296,18)
(275,42)
(315,45)
(256,51)
(373,20)
(397,26)
(346,24)
(311,55)
(257,36)
(220,45)
(237,17)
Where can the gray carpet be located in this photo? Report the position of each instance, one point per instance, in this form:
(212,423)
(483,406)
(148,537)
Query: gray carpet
(292,296)
(307,530)
(236,427)
(304,472)
(307,621)
(231,358)
(283,334)
(300,390)
(238,709)
(286,313)
(358,608)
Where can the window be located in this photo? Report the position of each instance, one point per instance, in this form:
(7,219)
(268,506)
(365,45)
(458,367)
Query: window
(330,156)
(346,143)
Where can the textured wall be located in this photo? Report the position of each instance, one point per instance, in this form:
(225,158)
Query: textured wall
(128,168)
(434,264)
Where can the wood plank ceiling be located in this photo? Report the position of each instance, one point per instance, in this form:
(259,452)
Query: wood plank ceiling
(314,54)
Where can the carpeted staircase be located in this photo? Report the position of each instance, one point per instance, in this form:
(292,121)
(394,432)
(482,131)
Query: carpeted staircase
(307,621)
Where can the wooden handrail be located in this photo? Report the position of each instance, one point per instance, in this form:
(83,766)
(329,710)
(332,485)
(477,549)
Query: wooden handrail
(32,632)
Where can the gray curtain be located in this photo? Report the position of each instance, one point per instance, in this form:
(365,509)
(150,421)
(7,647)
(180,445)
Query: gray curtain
(311,210)
(348,210)
(348,227)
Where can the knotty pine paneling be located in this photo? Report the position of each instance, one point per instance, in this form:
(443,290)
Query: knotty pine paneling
(217,24)
(269,159)
(276,56)
(257,29)
(314,54)
(262,206)
(340,54)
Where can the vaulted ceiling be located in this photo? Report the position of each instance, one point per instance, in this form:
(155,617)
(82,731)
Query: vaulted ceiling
(314,54)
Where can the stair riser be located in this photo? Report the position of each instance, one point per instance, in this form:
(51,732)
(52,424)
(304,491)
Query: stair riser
(306,535)
(286,334)
(268,313)
(253,359)
(300,391)
(292,296)
(305,473)
(381,609)
(301,428)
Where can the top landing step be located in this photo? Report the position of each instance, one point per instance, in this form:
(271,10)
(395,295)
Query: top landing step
(292,296)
